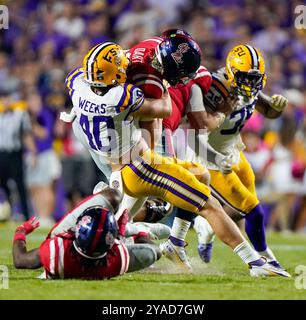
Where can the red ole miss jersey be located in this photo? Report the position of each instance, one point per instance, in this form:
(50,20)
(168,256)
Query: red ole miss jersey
(60,260)
(141,72)
(180,97)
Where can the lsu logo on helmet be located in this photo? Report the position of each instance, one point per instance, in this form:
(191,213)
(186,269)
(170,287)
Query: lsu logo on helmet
(105,64)
(245,70)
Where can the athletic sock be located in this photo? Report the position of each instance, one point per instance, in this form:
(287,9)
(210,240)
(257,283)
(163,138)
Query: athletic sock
(255,229)
(247,253)
(204,231)
(179,228)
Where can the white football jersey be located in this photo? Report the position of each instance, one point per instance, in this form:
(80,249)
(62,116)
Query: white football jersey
(225,138)
(104,123)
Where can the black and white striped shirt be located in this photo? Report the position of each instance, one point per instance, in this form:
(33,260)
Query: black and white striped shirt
(13,124)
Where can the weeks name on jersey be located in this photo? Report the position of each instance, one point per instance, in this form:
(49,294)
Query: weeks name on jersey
(89,106)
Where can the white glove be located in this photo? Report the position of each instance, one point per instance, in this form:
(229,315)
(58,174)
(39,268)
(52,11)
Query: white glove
(224,163)
(278,102)
(221,117)
(68,117)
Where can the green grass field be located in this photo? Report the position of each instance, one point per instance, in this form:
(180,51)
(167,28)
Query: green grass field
(225,278)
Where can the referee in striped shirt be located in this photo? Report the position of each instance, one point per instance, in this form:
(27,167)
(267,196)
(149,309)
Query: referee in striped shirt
(15,135)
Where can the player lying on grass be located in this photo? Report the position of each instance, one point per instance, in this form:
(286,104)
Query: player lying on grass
(144,223)
(239,86)
(105,109)
(92,250)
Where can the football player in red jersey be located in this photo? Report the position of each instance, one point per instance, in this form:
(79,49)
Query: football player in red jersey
(91,250)
(175,59)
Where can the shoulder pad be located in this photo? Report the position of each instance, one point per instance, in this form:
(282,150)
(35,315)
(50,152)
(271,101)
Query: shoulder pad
(72,76)
(131,96)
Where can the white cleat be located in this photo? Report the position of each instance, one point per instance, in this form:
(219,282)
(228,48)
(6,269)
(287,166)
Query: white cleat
(267,270)
(176,254)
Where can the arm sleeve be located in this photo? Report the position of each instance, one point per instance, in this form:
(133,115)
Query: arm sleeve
(195,103)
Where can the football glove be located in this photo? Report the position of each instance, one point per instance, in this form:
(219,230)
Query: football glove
(224,163)
(278,102)
(28,226)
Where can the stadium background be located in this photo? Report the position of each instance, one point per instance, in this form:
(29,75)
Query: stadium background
(46,39)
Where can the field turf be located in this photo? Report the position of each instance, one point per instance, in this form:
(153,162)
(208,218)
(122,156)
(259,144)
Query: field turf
(225,278)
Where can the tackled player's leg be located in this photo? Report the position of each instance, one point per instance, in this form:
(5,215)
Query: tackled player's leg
(154,175)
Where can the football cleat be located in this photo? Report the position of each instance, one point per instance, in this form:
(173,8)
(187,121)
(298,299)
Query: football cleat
(205,251)
(262,268)
(277,265)
(177,254)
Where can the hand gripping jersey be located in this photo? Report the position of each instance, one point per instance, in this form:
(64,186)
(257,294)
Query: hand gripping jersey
(104,123)
(226,138)
(61,260)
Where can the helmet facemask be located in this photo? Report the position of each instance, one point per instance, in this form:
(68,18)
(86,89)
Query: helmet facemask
(248,84)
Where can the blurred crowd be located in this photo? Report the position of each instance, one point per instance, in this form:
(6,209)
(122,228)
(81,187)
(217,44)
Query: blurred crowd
(46,39)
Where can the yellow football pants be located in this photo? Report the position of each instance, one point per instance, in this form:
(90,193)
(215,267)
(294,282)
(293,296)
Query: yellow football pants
(236,189)
(170,179)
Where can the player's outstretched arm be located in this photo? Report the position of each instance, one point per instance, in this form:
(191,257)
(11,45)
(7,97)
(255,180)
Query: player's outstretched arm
(271,107)
(22,258)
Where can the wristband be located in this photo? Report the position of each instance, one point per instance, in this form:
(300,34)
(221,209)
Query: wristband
(19,236)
